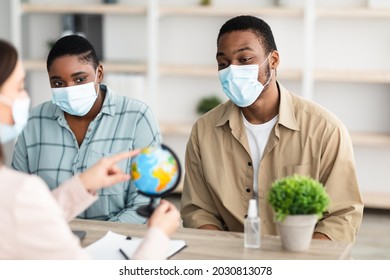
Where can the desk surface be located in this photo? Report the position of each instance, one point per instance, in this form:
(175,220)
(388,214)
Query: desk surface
(208,244)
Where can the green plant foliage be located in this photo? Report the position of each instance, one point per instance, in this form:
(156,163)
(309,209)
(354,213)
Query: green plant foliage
(297,195)
(50,44)
(205,2)
(207,103)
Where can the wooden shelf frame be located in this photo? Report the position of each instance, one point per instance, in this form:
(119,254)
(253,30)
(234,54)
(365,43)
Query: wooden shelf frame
(378,200)
(357,13)
(119,67)
(209,71)
(358,138)
(104,9)
(215,11)
(355,76)
(370,139)
(266,11)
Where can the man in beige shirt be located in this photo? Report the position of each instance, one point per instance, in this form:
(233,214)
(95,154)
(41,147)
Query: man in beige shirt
(263,133)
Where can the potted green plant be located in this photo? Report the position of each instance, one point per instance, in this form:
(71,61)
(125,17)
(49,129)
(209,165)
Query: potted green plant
(298,202)
(207,103)
(205,2)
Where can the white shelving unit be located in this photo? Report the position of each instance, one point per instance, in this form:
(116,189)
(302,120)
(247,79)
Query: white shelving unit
(162,74)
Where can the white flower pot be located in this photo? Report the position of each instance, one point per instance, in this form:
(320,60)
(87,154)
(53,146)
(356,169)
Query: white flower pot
(296,231)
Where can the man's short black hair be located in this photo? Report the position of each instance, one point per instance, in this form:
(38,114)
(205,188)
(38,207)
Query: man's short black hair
(254,24)
(73,45)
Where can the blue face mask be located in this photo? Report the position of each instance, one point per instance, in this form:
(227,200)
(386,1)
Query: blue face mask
(75,100)
(20,108)
(240,83)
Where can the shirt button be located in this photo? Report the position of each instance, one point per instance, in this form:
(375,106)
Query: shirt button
(89,130)
(246,216)
(249,163)
(248,190)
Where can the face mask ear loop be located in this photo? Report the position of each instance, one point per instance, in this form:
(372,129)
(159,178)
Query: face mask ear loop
(270,76)
(264,61)
(95,82)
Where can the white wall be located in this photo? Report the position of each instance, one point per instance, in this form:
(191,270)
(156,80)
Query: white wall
(5,31)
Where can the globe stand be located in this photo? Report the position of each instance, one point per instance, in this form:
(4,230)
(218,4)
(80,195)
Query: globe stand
(147,210)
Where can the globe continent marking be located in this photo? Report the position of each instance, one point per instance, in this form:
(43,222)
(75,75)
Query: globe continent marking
(154,171)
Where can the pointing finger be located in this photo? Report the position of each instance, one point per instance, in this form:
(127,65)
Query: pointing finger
(124,155)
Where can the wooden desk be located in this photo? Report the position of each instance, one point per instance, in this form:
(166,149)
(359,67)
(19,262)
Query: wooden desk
(207,244)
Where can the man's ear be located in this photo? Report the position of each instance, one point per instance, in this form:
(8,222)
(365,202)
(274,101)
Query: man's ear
(274,59)
(100,74)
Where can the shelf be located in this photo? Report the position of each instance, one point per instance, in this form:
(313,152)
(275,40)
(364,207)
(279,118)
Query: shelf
(358,138)
(186,70)
(177,129)
(352,76)
(358,13)
(212,71)
(370,139)
(285,74)
(139,68)
(34,65)
(169,70)
(376,200)
(31,8)
(231,11)
(40,65)
(117,9)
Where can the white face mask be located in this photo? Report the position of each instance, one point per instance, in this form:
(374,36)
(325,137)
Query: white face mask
(75,100)
(20,108)
(240,83)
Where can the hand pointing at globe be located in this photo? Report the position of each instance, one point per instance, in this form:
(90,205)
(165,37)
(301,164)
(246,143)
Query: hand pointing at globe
(105,172)
(155,171)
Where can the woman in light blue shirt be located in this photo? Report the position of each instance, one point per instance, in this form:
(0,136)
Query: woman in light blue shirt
(84,122)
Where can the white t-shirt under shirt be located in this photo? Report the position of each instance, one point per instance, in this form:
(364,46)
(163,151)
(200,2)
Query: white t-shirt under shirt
(258,135)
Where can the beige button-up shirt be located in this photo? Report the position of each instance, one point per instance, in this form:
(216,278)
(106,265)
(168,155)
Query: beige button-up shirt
(306,140)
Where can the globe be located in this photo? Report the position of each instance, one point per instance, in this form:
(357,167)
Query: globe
(155,171)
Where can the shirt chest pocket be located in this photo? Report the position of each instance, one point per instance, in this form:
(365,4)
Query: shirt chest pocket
(124,165)
(307,169)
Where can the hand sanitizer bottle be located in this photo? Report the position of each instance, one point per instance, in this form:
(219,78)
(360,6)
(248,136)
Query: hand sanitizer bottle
(252,226)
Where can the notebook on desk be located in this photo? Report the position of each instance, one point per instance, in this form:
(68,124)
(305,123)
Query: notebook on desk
(114,246)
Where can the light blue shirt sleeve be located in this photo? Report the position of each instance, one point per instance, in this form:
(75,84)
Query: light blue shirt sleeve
(19,158)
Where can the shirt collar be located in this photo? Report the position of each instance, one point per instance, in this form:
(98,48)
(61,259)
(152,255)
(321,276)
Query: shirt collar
(109,103)
(232,114)
(286,109)
(108,107)
(57,112)
(286,112)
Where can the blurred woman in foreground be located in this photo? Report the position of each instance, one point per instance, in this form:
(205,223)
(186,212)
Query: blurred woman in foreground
(34,221)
